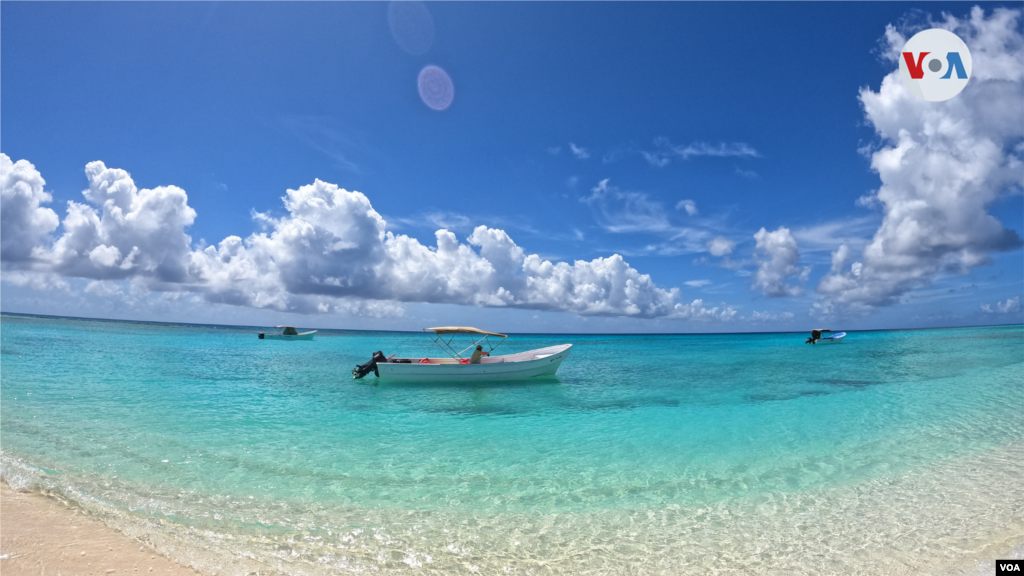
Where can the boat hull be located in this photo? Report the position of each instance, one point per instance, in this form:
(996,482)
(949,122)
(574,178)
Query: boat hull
(302,336)
(531,364)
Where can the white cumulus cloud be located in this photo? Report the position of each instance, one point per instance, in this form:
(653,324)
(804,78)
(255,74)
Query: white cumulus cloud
(24,223)
(330,252)
(721,246)
(777,258)
(123,231)
(697,311)
(941,165)
(1010,306)
(769,316)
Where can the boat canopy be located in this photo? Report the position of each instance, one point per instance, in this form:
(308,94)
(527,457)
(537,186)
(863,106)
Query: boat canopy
(821,330)
(444,336)
(463,330)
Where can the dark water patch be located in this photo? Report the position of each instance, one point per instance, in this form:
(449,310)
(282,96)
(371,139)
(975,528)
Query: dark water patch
(785,396)
(624,404)
(848,383)
(473,410)
(900,353)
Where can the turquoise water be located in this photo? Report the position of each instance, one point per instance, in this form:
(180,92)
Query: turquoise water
(644,453)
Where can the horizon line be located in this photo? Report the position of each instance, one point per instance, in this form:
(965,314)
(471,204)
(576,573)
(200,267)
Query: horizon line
(240,326)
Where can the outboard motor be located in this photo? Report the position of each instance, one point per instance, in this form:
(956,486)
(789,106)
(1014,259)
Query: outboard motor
(371,366)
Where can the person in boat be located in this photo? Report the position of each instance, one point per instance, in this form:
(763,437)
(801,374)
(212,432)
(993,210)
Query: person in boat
(475,358)
(289,331)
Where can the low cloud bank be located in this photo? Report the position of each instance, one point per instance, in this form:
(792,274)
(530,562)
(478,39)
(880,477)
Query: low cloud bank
(331,252)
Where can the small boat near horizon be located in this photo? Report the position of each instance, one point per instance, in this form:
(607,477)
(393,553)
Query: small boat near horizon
(818,336)
(529,364)
(289,333)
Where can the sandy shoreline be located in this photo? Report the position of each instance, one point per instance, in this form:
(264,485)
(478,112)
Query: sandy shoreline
(44,535)
(41,535)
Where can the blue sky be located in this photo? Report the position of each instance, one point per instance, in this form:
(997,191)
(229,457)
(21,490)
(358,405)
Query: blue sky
(577,131)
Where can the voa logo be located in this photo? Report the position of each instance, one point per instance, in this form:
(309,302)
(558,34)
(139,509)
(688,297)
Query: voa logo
(1005,567)
(935,65)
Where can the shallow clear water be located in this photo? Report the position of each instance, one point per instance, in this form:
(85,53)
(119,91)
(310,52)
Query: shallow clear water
(683,454)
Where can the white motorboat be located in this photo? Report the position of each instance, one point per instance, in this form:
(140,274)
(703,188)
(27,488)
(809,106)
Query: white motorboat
(819,336)
(289,333)
(457,367)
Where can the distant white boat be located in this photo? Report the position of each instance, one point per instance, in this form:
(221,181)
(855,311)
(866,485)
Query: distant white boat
(819,336)
(539,362)
(290,333)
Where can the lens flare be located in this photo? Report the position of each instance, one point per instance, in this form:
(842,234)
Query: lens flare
(411,26)
(436,88)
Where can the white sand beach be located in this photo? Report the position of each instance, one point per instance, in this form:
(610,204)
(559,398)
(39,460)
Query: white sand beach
(41,535)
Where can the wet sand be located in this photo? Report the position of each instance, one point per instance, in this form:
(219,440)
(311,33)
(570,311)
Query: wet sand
(40,535)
